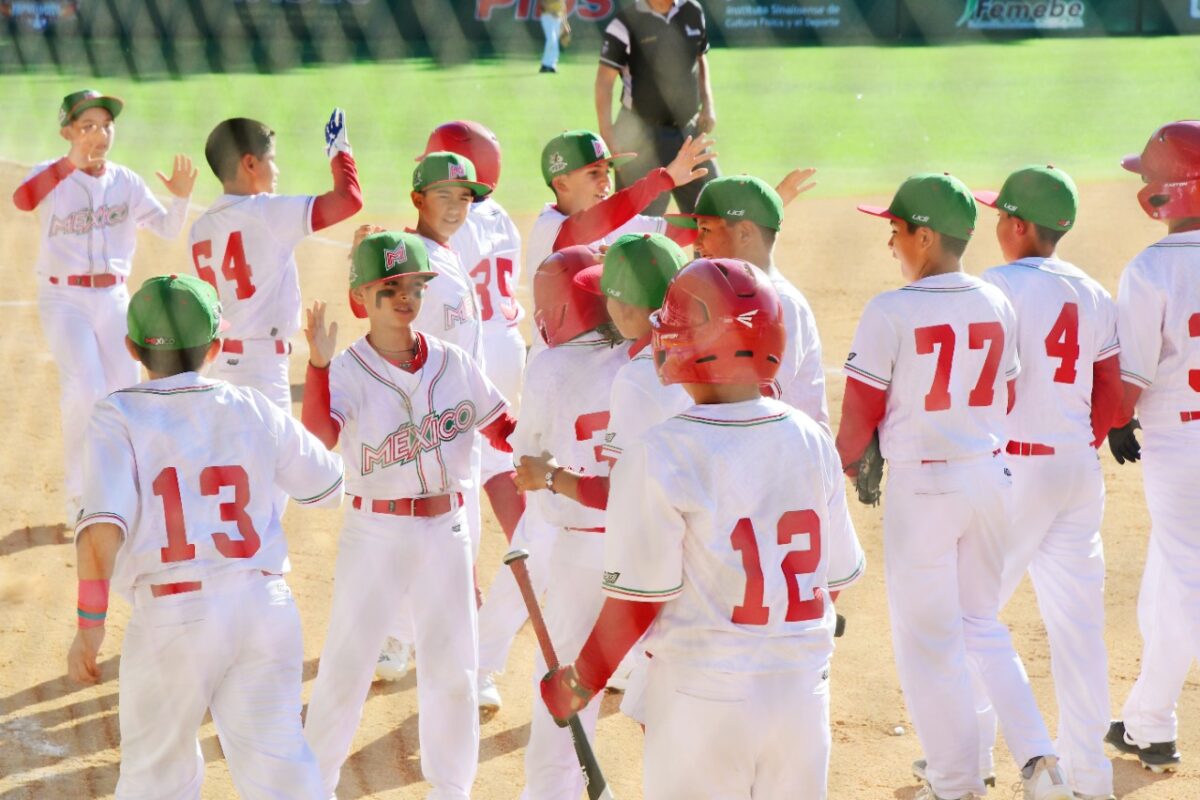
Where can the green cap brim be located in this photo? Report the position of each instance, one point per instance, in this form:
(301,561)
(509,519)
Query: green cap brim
(689,221)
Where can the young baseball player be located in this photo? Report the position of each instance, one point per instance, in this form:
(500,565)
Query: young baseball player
(178,517)
(565,412)
(730,577)
(90,210)
(1158,319)
(406,407)
(1066,395)
(928,368)
(244,246)
(739,217)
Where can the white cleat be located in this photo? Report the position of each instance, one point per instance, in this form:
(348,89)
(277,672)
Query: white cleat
(489,697)
(1079,796)
(918,771)
(926,793)
(1046,782)
(394,660)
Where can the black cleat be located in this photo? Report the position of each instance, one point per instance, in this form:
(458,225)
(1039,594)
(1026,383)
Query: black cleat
(1159,757)
(546,69)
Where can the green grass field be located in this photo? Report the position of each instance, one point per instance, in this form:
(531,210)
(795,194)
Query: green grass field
(865,116)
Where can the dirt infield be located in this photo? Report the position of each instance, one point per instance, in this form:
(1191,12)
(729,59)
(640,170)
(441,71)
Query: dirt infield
(61,741)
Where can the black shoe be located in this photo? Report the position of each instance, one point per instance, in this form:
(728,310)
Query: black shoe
(1158,757)
(547,69)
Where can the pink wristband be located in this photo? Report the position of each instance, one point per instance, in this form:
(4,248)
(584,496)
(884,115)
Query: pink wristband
(93,603)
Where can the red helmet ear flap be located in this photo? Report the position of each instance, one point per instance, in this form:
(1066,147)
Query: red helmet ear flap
(1170,166)
(562,307)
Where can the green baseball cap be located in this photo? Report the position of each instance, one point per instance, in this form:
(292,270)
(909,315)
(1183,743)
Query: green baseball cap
(450,169)
(1042,195)
(936,200)
(76,103)
(636,270)
(735,198)
(572,150)
(174,312)
(385,255)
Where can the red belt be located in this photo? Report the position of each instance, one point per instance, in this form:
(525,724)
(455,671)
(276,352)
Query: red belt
(238,346)
(995,452)
(100,281)
(183,587)
(586,530)
(1189,416)
(1028,449)
(433,506)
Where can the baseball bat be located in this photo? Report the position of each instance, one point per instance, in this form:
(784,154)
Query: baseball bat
(597,786)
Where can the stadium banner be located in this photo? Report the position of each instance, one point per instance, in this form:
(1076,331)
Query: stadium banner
(160,38)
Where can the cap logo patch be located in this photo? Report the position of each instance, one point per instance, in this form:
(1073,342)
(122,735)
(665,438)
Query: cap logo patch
(598,147)
(397,256)
(156,340)
(1064,223)
(736,212)
(1010,207)
(557,162)
(458,171)
(747,318)
(920,217)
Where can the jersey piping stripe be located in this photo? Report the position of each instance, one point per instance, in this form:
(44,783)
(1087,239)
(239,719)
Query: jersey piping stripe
(319,497)
(437,451)
(1176,244)
(178,390)
(1111,350)
(644,594)
(733,423)
(407,405)
(230,204)
(1135,378)
(884,382)
(101,516)
(490,416)
(852,577)
(939,289)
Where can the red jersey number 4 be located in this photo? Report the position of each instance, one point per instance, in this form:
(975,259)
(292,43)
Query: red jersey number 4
(233,266)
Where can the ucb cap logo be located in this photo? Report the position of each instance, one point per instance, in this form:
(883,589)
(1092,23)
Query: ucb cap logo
(397,255)
(736,212)
(557,162)
(1010,207)
(920,217)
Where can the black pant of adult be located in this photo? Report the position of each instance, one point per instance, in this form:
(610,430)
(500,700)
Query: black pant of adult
(656,146)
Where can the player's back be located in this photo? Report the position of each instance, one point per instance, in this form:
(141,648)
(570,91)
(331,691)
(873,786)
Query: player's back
(942,348)
(759,488)
(489,247)
(243,246)
(549,223)
(189,467)
(1159,325)
(1065,323)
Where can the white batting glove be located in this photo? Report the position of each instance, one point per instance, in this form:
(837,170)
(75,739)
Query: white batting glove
(335,134)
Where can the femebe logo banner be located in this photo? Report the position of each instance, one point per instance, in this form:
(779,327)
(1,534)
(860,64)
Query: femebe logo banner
(1024,14)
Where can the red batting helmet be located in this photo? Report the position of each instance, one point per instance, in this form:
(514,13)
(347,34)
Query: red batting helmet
(1170,166)
(721,322)
(562,307)
(473,141)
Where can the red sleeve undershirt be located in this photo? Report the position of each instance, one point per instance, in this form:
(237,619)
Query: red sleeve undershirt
(593,491)
(1012,395)
(30,194)
(863,407)
(1106,397)
(620,624)
(498,430)
(590,225)
(1129,398)
(314,412)
(344,200)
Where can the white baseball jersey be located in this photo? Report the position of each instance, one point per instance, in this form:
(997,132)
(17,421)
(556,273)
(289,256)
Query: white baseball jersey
(409,434)
(489,248)
(735,514)
(1066,322)
(801,379)
(943,349)
(188,468)
(449,310)
(1158,318)
(639,400)
(546,228)
(243,245)
(564,413)
(89,222)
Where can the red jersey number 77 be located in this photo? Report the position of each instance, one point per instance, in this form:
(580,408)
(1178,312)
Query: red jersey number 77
(940,339)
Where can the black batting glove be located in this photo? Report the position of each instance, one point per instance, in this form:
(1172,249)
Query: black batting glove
(1124,444)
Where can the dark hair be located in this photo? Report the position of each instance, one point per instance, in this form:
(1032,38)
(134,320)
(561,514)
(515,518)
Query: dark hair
(1048,236)
(609,331)
(231,140)
(172,362)
(952,245)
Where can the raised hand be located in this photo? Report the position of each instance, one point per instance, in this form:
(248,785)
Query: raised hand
(322,341)
(795,183)
(183,177)
(336,140)
(695,151)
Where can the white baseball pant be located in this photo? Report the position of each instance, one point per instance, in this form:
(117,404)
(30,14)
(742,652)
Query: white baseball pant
(1169,601)
(85,330)
(424,564)
(573,601)
(945,528)
(756,735)
(1058,503)
(259,367)
(233,647)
